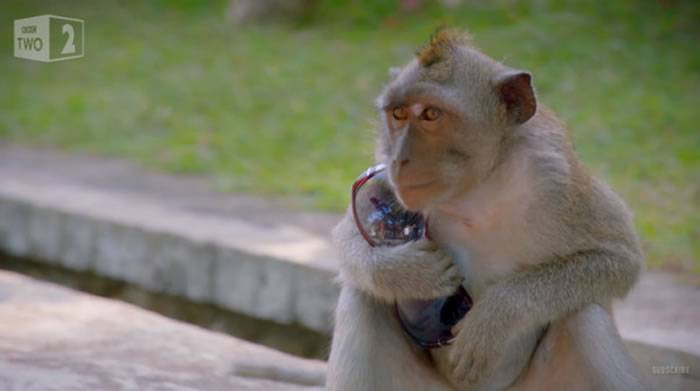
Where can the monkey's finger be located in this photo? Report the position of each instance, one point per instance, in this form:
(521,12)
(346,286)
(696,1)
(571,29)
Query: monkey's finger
(451,278)
(459,372)
(448,265)
(457,328)
(411,250)
(473,373)
(453,358)
(458,356)
(454,274)
(425,245)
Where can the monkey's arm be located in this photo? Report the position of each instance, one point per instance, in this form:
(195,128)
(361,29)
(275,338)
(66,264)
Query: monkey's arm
(535,297)
(417,270)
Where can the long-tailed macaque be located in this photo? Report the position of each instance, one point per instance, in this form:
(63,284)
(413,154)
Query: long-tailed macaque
(541,246)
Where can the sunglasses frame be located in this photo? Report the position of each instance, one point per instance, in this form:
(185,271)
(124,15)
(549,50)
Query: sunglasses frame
(359,182)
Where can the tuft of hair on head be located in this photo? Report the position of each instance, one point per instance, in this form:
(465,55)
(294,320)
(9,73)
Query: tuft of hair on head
(441,42)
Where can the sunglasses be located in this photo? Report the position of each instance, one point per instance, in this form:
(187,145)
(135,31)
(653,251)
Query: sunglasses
(383,221)
(379,216)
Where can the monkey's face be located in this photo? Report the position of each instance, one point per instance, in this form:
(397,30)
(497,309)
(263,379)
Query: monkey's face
(447,116)
(427,151)
(414,128)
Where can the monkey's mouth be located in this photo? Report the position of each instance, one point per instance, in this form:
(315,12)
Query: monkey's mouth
(414,195)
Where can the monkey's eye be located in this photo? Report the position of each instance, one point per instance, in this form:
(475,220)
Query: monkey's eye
(431,114)
(400,113)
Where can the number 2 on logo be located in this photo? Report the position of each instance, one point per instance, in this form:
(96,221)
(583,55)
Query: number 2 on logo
(69,47)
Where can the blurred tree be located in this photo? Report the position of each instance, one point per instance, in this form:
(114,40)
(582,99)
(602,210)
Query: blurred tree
(412,5)
(252,11)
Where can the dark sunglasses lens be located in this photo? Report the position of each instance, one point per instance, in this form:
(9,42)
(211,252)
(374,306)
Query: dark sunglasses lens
(382,217)
(429,322)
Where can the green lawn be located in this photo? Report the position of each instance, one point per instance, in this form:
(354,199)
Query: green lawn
(287,110)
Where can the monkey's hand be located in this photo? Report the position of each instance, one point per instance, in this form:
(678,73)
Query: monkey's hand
(481,338)
(415,270)
(535,296)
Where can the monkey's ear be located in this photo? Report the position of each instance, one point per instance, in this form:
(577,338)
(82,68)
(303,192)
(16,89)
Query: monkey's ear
(394,73)
(516,92)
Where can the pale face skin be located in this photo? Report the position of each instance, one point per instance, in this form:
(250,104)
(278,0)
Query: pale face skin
(419,129)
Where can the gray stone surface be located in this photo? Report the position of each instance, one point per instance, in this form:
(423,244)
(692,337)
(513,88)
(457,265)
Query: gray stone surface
(53,338)
(663,309)
(666,369)
(258,257)
(275,264)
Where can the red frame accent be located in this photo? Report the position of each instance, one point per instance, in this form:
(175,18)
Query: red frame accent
(369,174)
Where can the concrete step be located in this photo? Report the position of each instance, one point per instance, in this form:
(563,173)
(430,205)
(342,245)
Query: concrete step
(168,234)
(56,339)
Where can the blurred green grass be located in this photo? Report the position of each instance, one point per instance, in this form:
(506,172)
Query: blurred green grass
(287,109)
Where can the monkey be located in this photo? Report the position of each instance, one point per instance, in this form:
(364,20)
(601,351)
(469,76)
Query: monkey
(541,245)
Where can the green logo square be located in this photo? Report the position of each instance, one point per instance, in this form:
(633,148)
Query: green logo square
(67,38)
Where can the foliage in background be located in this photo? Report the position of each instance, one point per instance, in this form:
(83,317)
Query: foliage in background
(287,109)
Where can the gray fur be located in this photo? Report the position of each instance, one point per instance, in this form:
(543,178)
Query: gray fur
(417,270)
(369,352)
(567,244)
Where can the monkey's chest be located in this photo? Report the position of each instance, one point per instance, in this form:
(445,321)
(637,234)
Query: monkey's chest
(484,254)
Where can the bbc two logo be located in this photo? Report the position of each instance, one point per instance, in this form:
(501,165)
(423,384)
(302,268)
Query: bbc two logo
(49,38)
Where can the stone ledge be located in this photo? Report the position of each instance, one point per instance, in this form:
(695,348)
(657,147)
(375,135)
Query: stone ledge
(279,273)
(54,338)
